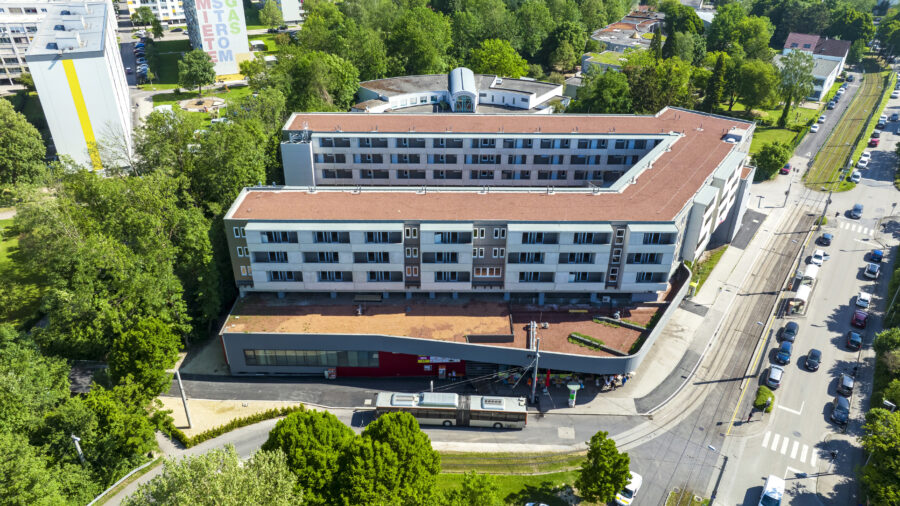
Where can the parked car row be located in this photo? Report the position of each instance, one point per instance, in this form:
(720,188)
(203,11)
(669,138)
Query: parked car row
(840,412)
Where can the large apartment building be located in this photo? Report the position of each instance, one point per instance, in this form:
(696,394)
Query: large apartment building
(78,72)
(18,25)
(598,204)
(219,29)
(169,12)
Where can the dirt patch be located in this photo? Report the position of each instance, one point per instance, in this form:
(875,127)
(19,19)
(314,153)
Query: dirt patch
(207,414)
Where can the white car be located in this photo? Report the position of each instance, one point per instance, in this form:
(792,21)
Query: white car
(814,128)
(863,299)
(626,496)
(818,257)
(883,118)
(822,119)
(865,155)
(773,491)
(895,94)
(855,176)
(862,163)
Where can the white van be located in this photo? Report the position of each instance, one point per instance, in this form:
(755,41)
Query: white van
(773,490)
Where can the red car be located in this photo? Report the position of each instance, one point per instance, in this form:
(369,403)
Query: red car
(859,319)
(873,143)
(786,169)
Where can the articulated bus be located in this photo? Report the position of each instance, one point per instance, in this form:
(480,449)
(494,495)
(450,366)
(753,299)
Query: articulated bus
(447,409)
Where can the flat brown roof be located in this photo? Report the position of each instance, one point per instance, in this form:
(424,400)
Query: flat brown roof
(658,194)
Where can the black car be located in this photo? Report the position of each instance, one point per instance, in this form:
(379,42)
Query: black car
(845,385)
(825,239)
(789,333)
(813,359)
(840,412)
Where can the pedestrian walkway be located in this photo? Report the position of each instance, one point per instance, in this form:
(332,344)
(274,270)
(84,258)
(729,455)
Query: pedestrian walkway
(856,228)
(798,450)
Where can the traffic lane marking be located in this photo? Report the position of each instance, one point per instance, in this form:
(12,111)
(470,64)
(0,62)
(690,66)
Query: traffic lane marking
(789,410)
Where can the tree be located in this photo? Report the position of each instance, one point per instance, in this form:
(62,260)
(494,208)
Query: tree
(535,24)
(656,84)
(27,80)
(231,157)
(722,31)
(563,58)
(892,392)
(683,46)
(420,39)
(857,51)
(196,68)
(886,341)
(316,81)
(604,472)
(604,93)
(145,352)
(391,463)
(143,16)
(24,473)
(569,34)
(270,14)
(480,489)
(656,43)
(753,34)
(311,441)
(796,80)
(156,28)
(850,24)
(564,11)
(497,57)
(35,383)
(218,477)
(21,148)
(593,14)
(757,83)
(714,86)
(770,158)
(881,438)
(480,20)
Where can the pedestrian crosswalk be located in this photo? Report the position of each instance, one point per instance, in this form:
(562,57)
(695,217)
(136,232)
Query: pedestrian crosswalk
(855,227)
(794,449)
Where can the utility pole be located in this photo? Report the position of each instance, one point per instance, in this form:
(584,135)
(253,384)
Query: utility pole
(537,357)
(187,413)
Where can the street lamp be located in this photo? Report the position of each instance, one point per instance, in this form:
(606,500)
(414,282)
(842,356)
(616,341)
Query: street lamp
(76,439)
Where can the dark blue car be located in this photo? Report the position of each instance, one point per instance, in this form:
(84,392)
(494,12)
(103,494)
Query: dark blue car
(876,255)
(784,352)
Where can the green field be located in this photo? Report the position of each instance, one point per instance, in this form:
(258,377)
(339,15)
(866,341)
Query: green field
(542,488)
(163,57)
(768,135)
(172,98)
(842,142)
(20,294)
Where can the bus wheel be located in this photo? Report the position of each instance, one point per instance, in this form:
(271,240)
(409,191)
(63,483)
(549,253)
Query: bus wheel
(498,425)
(447,423)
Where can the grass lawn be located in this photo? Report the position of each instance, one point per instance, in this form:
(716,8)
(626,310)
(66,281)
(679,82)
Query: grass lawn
(539,488)
(510,463)
(677,498)
(798,116)
(609,57)
(20,294)
(163,58)
(702,270)
(268,39)
(172,98)
(768,135)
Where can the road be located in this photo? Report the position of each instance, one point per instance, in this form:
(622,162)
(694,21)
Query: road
(798,436)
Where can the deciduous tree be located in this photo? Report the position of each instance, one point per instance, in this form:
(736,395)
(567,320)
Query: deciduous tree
(419,40)
(604,93)
(219,477)
(270,15)
(480,489)
(881,438)
(312,441)
(21,148)
(604,472)
(796,80)
(196,69)
(144,352)
(497,57)
(24,473)
(757,82)
(143,16)
(714,86)
(770,158)
(535,24)
(722,32)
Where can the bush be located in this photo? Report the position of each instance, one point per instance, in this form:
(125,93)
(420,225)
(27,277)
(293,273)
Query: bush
(583,337)
(763,394)
(168,426)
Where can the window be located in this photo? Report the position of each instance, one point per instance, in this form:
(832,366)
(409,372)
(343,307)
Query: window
(284,276)
(613,275)
(240,232)
(411,232)
(278,237)
(478,233)
(615,160)
(650,277)
(412,271)
(640,144)
(245,271)
(451,277)
(576,258)
(644,258)
(617,255)
(452,238)
(620,144)
(243,251)
(526,258)
(620,235)
(488,272)
(316,358)
(535,277)
(335,276)
(659,238)
(412,252)
(441,257)
(585,277)
(371,257)
(278,257)
(584,144)
(375,276)
(478,252)
(498,252)
(546,143)
(539,238)
(499,233)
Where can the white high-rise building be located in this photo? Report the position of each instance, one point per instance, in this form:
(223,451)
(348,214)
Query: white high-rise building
(19,22)
(80,79)
(291,10)
(169,12)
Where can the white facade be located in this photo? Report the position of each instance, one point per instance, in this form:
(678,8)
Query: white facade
(168,12)
(80,80)
(291,10)
(18,24)
(218,28)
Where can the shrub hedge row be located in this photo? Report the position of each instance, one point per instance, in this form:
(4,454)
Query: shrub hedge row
(168,427)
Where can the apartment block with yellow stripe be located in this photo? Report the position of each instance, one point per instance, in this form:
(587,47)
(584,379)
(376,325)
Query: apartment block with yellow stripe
(80,80)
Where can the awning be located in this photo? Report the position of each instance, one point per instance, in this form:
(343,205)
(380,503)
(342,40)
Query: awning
(803,293)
